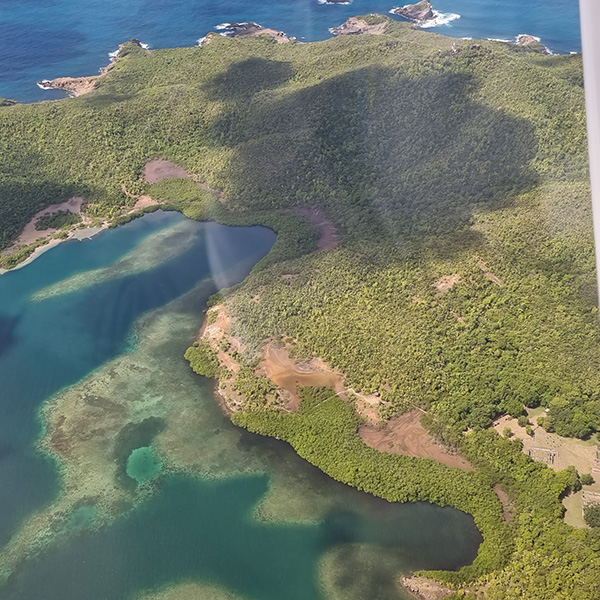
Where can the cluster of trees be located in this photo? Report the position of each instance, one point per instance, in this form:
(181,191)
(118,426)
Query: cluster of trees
(535,555)
(203,360)
(57,220)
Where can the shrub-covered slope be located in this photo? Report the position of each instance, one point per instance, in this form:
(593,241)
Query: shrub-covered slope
(463,281)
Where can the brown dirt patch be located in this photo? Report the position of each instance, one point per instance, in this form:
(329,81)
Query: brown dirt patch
(287,374)
(158,169)
(405,435)
(144,201)
(329,237)
(30,234)
(446,283)
(507,505)
(354,26)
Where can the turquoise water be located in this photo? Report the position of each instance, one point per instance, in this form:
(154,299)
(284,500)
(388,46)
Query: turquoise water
(43,40)
(218,505)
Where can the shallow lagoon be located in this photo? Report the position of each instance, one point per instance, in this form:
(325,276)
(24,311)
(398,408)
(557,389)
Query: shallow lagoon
(156,486)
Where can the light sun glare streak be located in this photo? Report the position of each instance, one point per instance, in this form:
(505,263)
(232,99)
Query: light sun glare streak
(590,22)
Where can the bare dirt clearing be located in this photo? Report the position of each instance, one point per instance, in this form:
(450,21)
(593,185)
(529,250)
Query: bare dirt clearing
(507,505)
(405,435)
(446,283)
(158,169)
(30,234)
(287,374)
(424,589)
(329,237)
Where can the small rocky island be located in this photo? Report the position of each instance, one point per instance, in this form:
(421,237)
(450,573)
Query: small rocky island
(417,13)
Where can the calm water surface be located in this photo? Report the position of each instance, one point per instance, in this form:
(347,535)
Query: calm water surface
(201,528)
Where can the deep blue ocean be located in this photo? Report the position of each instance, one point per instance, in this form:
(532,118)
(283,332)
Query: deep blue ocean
(43,39)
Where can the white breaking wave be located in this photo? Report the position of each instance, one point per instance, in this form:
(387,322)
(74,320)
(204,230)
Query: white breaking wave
(115,53)
(439,19)
(43,85)
(201,41)
(333,3)
(499,40)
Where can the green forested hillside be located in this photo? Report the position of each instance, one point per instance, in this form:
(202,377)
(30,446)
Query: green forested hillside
(435,167)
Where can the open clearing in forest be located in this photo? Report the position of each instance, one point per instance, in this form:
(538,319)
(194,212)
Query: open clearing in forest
(287,374)
(329,237)
(158,169)
(558,453)
(405,435)
(30,234)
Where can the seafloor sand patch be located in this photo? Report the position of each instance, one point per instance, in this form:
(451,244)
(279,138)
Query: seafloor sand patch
(329,237)
(190,591)
(150,397)
(353,571)
(405,435)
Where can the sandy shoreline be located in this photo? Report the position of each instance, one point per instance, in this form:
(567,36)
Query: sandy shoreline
(31,235)
(80,234)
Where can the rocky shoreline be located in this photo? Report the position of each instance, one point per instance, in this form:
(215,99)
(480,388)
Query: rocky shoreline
(78,86)
(417,13)
(247,29)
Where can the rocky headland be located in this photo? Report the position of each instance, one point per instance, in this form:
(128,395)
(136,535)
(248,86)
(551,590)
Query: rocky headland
(248,29)
(78,86)
(356,25)
(417,13)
